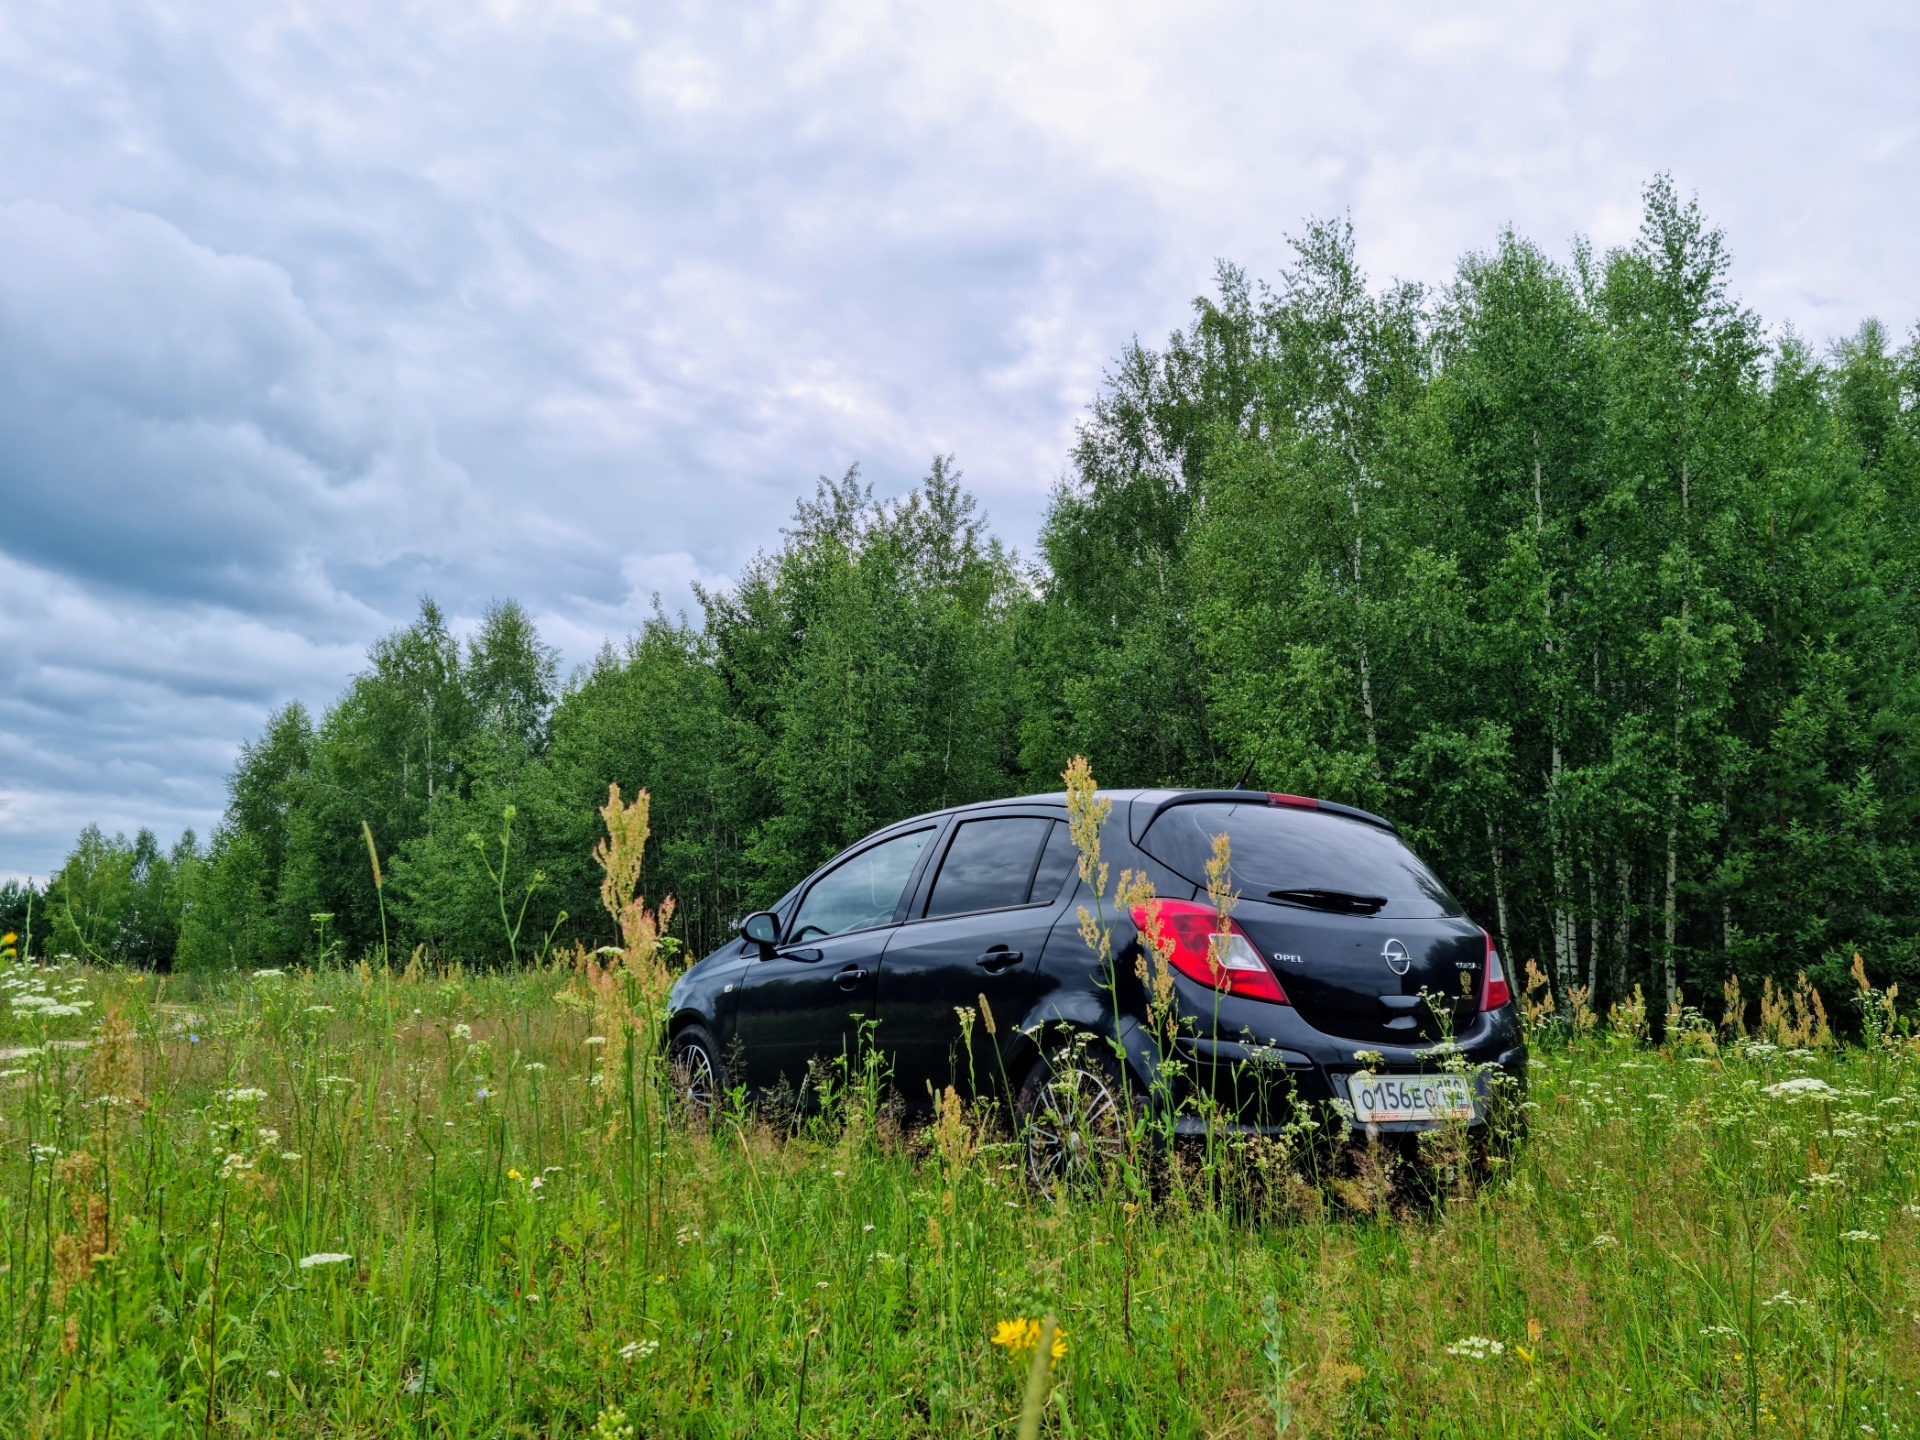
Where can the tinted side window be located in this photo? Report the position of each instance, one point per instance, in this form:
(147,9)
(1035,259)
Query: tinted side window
(988,866)
(1283,848)
(1057,862)
(863,892)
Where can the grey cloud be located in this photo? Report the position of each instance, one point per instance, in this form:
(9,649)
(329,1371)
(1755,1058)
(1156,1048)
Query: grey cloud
(173,422)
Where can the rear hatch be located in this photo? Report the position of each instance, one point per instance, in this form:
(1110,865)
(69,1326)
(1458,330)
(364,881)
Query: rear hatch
(1366,941)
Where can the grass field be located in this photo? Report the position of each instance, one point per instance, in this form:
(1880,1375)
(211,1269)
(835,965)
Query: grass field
(357,1204)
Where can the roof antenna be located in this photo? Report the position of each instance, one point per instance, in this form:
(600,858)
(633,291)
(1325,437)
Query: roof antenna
(1241,783)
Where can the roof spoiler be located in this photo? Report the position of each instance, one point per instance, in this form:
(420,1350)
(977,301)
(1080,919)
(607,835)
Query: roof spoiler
(1150,803)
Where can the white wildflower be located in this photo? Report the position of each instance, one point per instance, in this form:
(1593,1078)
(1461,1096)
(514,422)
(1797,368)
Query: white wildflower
(1476,1347)
(1601,1242)
(463,1032)
(268,974)
(246,1095)
(638,1349)
(1860,1237)
(1802,1087)
(1784,1298)
(266,1135)
(325,1257)
(595,1040)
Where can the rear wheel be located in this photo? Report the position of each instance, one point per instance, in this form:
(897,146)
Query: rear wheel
(699,1078)
(1072,1115)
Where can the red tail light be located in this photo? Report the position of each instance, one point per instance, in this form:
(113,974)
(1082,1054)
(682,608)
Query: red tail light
(1226,962)
(1494,990)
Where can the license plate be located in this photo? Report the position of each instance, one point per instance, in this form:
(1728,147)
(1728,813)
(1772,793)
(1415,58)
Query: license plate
(1378,1098)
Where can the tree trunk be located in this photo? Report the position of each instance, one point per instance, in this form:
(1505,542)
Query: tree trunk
(1566,952)
(1622,927)
(1366,671)
(1566,944)
(1672,912)
(1499,893)
(1593,935)
(1673,807)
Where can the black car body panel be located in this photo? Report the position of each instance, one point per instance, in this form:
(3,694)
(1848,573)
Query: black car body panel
(986,920)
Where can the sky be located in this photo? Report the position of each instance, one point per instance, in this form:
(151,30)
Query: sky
(310,310)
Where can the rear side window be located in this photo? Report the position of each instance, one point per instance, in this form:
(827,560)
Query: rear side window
(989,866)
(1288,854)
(1057,862)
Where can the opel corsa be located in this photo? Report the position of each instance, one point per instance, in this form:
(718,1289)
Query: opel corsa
(1348,981)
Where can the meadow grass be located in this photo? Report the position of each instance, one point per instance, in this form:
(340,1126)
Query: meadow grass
(358,1204)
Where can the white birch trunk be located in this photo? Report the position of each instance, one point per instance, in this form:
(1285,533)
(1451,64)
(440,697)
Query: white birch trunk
(1499,894)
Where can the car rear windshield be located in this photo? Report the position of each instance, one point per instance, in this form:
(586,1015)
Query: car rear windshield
(1290,855)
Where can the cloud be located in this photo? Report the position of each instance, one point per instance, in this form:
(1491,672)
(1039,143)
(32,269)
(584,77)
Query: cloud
(172,421)
(306,311)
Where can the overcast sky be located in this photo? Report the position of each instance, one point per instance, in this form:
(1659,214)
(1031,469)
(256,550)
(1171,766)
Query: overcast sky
(307,310)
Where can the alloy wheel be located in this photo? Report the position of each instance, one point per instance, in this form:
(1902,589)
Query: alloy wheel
(1075,1127)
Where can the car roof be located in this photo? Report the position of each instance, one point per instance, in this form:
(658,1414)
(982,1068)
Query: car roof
(1156,801)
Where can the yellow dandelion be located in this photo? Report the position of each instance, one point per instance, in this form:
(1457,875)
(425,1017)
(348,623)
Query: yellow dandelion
(1016,1334)
(1019,1335)
(513,1174)
(8,938)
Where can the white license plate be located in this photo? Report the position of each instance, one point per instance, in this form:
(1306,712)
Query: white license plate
(1378,1098)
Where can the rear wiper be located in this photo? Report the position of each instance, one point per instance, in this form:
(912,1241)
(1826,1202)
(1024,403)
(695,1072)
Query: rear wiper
(1339,902)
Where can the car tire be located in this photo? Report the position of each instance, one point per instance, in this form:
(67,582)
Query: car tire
(699,1075)
(1071,1115)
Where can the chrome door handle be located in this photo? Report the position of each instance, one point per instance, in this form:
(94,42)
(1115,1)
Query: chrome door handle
(850,977)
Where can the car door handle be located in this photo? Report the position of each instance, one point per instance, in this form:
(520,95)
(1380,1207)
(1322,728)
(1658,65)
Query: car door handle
(994,961)
(850,977)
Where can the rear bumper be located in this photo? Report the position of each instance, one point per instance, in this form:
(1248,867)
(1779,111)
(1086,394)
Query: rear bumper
(1245,1088)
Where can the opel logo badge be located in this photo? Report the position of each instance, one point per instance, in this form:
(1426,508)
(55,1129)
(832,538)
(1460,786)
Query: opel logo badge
(1397,958)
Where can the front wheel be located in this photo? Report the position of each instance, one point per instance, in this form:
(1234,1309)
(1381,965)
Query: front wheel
(699,1077)
(1072,1113)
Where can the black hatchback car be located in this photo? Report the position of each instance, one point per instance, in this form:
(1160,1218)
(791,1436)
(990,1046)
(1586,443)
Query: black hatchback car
(1350,982)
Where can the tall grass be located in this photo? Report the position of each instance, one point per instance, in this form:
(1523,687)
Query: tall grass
(359,1203)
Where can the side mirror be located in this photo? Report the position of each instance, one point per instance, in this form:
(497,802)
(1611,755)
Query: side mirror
(762,928)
